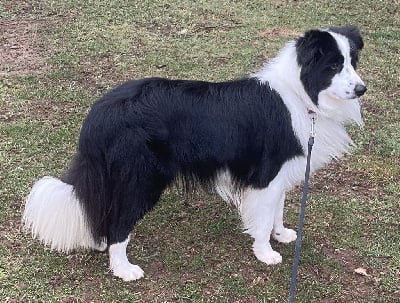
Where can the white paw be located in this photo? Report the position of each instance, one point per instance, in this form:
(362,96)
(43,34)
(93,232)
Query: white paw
(128,272)
(100,247)
(269,257)
(285,235)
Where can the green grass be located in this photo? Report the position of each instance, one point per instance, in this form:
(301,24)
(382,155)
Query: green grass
(192,248)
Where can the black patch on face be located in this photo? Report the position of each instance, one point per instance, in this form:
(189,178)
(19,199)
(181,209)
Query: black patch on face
(320,59)
(355,40)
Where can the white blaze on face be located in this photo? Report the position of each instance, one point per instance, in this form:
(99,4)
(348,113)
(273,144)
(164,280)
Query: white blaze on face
(344,83)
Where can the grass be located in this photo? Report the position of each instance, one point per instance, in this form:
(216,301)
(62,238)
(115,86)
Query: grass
(192,249)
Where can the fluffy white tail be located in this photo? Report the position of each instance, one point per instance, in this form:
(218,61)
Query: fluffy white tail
(55,216)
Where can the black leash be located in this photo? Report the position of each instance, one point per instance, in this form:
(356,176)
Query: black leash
(296,259)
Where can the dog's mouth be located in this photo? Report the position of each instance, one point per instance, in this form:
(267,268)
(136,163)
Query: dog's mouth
(351,97)
(347,96)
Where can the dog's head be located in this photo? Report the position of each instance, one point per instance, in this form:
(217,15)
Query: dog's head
(328,61)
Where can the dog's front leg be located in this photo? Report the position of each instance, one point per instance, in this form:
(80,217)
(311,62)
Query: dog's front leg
(280,233)
(258,211)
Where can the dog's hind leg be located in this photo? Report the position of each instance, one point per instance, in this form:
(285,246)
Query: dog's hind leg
(132,198)
(258,212)
(120,265)
(121,222)
(132,206)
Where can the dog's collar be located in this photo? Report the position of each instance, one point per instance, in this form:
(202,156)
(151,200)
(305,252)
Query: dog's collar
(311,111)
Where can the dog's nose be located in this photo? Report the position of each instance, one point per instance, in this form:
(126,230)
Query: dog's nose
(359,90)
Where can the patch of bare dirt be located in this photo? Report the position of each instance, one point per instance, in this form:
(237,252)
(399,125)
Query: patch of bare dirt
(25,9)
(343,181)
(279,32)
(19,52)
(356,286)
(40,110)
(273,33)
(96,76)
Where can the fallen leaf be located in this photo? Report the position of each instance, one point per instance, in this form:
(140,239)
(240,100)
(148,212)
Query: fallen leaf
(362,271)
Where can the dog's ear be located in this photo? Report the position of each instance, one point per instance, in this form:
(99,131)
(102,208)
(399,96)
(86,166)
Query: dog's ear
(311,49)
(312,46)
(352,33)
(356,42)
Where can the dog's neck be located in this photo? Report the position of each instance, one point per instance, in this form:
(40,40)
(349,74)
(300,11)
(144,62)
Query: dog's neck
(282,73)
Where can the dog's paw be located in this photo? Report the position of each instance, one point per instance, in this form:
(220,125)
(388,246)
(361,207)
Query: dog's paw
(101,247)
(285,235)
(128,272)
(269,257)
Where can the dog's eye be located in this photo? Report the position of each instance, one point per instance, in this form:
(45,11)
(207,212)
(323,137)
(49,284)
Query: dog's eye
(335,66)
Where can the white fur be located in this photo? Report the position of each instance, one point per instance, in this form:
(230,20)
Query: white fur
(226,190)
(55,216)
(262,210)
(120,265)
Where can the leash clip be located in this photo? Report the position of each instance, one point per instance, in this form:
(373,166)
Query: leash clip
(313,116)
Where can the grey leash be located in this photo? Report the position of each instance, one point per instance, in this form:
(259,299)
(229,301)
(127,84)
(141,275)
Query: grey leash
(296,259)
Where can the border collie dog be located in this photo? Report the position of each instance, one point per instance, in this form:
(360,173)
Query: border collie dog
(245,138)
